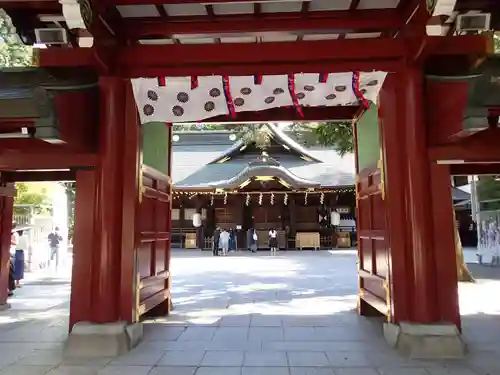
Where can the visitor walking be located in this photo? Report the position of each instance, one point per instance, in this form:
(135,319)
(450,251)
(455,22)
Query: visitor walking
(273,241)
(21,247)
(55,240)
(224,241)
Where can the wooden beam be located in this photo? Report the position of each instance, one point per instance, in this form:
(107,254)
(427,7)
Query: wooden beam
(290,114)
(22,160)
(324,22)
(467,169)
(480,147)
(265,58)
(39,176)
(250,69)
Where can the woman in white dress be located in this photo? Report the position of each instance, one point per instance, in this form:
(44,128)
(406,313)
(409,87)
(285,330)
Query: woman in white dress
(224,241)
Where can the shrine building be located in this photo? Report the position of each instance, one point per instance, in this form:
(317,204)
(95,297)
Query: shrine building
(235,184)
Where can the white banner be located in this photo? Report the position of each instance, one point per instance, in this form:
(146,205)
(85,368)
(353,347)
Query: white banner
(177,101)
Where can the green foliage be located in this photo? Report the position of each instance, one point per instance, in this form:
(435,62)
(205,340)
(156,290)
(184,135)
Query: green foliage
(198,127)
(70,189)
(13,52)
(488,188)
(31,194)
(335,134)
(496,41)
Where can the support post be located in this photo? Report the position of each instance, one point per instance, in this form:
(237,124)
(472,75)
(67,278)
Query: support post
(418,207)
(6,211)
(103,293)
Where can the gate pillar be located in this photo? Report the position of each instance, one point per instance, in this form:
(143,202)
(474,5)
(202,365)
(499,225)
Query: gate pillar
(424,319)
(6,211)
(103,291)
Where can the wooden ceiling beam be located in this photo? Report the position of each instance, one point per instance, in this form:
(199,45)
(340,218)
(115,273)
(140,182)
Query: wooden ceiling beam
(319,22)
(385,54)
(311,114)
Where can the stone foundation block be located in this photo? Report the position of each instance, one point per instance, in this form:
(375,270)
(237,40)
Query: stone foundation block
(88,340)
(426,341)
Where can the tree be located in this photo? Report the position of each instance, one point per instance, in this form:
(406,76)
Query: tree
(70,189)
(13,52)
(198,127)
(338,135)
(32,194)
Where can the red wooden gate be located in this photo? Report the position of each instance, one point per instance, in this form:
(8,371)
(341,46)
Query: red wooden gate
(153,248)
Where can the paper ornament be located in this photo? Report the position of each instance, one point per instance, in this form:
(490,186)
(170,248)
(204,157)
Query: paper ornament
(260,199)
(247,200)
(285,199)
(272,199)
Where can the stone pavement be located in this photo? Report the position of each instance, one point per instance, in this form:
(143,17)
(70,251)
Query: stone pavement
(247,314)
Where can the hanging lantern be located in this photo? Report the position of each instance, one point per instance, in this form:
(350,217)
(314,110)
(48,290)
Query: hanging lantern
(305,198)
(260,199)
(272,199)
(335,218)
(247,200)
(225,198)
(197,220)
(322,198)
(285,200)
(212,200)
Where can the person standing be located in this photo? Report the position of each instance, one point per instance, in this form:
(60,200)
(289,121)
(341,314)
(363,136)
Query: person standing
(232,240)
(273,241)
(224,241)
(253,240)
(215,245)
(14,240)
(21,247)
(55,240)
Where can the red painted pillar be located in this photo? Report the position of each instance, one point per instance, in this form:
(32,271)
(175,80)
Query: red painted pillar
(418,206)
(132,161)
(103,288)
(419,194)
(6,210)
(168,247)
(83,247)
(444,244)
(109,201)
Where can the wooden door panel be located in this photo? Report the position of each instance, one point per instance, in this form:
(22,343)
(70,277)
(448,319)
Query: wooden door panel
(372,241)
(153,232)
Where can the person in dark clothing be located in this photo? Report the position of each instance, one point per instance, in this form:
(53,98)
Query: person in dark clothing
(12,281)
(55,240)
(215,248)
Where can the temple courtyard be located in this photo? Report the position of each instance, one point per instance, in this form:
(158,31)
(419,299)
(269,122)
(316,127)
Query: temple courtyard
(248,314)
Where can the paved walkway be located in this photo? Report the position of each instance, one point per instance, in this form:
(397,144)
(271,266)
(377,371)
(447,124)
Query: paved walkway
(246,314)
